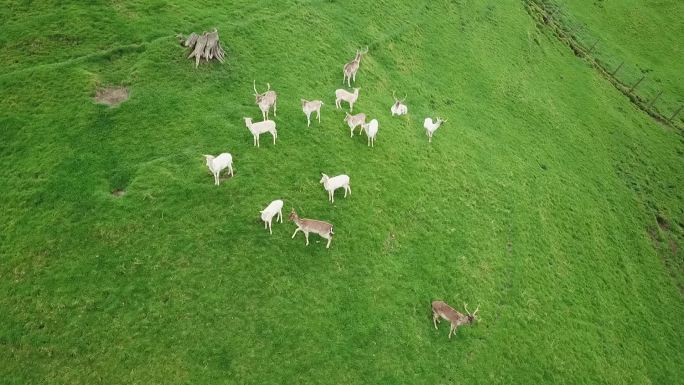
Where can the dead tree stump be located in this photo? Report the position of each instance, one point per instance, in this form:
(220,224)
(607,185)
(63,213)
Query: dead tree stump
(205,46)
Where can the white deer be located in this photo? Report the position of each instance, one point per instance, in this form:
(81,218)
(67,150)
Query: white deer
(216,164)
(431,127)
(346,96)
(371,129)
(273,209)
(399,108)
(259,128)
(441,310)
(332,184)
(352,67)
(324,229)
(311,106)
(266,100)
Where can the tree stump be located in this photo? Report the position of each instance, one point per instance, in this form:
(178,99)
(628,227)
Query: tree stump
(205,46)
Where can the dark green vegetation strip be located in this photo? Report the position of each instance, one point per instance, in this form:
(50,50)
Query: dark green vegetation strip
(535,201)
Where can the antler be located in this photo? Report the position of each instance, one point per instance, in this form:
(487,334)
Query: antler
(269,87)
(255,91)
(476,310)
(394,97)
(366,51)
(404,99)
(465,306)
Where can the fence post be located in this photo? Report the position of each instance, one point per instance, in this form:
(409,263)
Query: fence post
(654,99)
(636,84)
(617,69)
(676,113)
(594,45)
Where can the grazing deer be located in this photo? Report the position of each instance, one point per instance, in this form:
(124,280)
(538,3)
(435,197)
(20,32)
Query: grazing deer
(441,310)
(399,108)
(266,100)
(355,120)
(352,67)
(311,106)
(274,209)
(324,229)
(346,96)
(218,163)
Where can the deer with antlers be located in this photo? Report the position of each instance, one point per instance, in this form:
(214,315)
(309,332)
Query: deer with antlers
(266,100)
(399,108)
(441,310)
(352,67)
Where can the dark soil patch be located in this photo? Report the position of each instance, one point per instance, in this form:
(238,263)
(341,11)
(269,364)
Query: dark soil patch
(662,222)
(111,96)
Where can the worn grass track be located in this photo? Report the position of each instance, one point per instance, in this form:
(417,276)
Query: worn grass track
(538,200)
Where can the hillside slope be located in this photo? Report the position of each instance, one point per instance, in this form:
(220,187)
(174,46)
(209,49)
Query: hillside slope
(537,200)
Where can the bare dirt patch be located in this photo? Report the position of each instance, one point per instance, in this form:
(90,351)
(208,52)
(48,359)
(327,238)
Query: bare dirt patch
(111,96)
(662,222)
(118,192)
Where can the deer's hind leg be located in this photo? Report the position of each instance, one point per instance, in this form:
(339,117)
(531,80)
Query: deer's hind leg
(435,319)
(452,331)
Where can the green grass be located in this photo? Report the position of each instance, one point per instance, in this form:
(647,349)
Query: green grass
(537,200)
(645,35)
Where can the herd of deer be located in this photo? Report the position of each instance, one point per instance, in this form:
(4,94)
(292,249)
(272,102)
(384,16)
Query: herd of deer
(267,101)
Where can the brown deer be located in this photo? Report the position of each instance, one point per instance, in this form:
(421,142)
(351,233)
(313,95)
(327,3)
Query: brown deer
(266,100)
(352,67)
(324,229)
(441,310)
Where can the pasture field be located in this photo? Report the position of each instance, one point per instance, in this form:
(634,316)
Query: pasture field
(547,198)
(643,35)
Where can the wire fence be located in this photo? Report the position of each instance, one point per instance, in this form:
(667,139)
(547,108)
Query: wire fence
(635,83)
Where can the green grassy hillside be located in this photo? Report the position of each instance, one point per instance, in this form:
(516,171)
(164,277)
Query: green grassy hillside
(643,35)
(539,200)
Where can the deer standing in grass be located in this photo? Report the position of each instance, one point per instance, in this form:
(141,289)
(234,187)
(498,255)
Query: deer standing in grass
(324,229)
(332,184)
(259,128)
(342,95)
(274,209)
(431,127)
(371,129)
(355,120)
(311,106)
(441,310)
(266,100)
(352,67)
(216,164)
